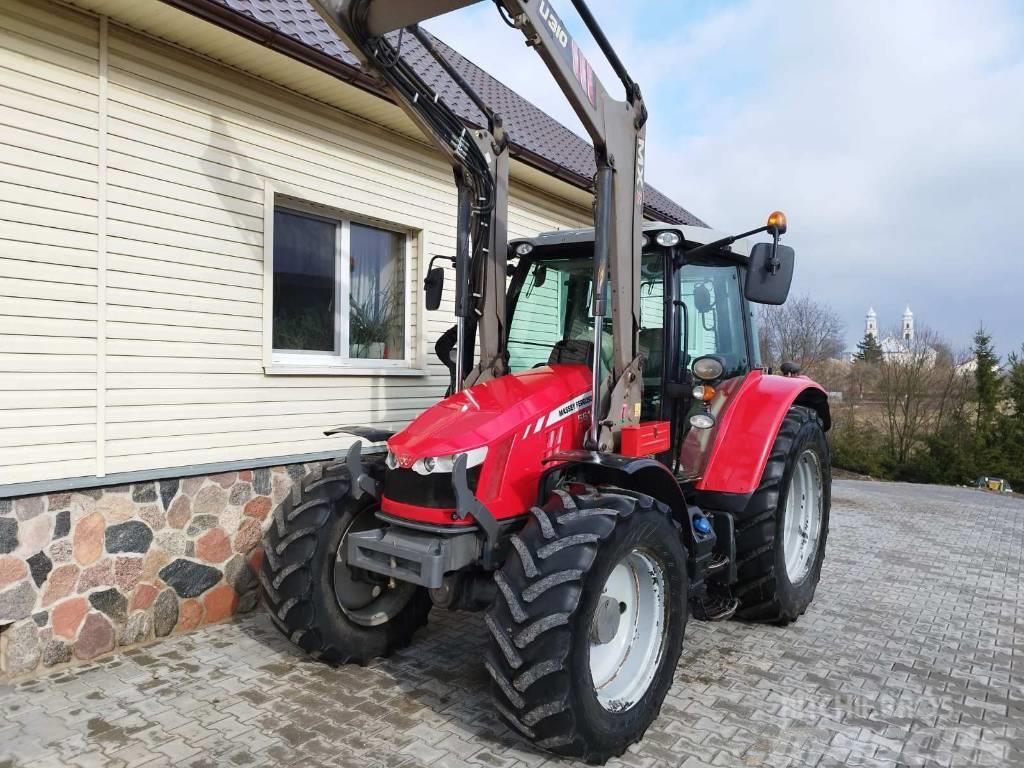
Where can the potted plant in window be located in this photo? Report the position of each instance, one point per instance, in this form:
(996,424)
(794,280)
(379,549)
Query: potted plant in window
(372,323)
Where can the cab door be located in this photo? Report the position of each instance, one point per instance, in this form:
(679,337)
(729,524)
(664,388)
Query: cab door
(717,321)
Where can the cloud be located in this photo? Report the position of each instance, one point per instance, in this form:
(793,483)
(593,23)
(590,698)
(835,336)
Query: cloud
(892,134)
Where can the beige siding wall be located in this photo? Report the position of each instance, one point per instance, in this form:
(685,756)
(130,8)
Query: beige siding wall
(191,149)
(48,241)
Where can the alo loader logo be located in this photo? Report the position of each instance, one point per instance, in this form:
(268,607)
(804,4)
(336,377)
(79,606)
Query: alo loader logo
(554,23)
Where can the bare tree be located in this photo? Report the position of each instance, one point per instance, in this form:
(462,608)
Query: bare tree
(802,331)
(921,388)
(862,378)
(955,385)
(833,374)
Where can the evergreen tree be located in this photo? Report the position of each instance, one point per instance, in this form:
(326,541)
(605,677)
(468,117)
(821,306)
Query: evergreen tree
(1011,426)
(987,382)
(1015,383)
(868,350)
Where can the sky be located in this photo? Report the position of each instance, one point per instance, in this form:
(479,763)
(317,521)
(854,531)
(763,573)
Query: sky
(891,134)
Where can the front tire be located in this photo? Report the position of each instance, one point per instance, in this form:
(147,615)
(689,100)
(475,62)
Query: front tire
(781,535)
(555,644)
(311,595)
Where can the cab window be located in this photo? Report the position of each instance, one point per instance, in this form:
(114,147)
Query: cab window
(714,304)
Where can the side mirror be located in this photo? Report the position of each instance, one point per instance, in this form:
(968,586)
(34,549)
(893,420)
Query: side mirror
(540,275)
(702,299)
(769,273)
(433,287)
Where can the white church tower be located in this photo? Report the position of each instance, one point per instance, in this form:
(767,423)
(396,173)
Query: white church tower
(908,325)
(871,323)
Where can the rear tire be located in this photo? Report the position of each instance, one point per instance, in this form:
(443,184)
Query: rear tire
(767,589)
(541,621)
(298,579)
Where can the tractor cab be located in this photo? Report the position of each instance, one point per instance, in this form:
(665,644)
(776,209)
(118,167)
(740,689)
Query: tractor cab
(692,307)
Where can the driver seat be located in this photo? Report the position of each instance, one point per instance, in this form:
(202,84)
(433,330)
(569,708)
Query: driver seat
(573,352)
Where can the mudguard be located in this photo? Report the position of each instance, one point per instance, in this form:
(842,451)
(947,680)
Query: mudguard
(748,426)
(643,475)
(634,473)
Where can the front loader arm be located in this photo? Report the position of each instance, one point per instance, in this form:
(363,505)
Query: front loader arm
(617,129)
(479,159)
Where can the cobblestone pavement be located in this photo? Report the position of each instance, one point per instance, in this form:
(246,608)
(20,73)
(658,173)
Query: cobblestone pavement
(912,654)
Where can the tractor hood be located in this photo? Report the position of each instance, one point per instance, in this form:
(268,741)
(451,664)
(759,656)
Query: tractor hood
(488,412)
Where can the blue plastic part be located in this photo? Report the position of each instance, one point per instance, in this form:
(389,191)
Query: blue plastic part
(702,525)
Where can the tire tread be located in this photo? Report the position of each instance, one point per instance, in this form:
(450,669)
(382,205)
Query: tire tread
(759,585)
(291,591)
(531,622)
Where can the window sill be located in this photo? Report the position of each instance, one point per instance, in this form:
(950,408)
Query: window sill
(314,369)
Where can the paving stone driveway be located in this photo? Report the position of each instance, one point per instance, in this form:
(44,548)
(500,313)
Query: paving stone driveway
(912,654)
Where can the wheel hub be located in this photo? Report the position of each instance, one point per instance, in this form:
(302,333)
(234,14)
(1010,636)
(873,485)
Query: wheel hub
(606,621)
(360,599)
(627,632)
(802,525)
(352,594)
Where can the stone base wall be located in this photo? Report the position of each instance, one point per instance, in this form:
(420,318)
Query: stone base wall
(85,572)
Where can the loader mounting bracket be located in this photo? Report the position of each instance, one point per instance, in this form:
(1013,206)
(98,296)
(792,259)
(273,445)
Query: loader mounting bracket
(466,503)
(361,480)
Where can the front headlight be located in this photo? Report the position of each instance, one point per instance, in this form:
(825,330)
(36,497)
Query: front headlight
(446,464)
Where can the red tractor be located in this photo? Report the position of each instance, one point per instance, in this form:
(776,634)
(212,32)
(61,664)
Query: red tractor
(595,477)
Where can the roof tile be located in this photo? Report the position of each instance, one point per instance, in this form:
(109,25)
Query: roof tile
(529,127)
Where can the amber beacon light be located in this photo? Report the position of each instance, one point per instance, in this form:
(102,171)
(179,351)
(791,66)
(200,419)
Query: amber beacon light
(777,223)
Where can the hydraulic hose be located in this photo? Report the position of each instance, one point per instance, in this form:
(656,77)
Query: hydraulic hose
(473,169)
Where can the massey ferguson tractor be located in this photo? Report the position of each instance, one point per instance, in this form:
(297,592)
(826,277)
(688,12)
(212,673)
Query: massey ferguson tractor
(612,458)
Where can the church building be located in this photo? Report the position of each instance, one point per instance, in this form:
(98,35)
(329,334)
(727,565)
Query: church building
(894,348)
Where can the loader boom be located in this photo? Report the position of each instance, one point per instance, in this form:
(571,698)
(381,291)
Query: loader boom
(374,30)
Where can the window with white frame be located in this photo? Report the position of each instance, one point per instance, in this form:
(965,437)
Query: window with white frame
(339,291)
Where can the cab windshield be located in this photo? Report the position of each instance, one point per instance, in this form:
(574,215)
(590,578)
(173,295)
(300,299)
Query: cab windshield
(551,319)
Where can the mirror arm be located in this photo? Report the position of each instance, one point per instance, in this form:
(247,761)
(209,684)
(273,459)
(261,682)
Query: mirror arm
(773,263)
(718,244)
(449,259)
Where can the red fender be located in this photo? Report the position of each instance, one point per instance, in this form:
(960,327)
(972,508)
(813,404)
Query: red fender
(748,427)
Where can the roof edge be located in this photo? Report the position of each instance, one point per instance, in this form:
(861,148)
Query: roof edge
(262,34)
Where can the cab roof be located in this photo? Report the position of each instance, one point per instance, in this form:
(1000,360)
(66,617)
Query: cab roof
(690,234)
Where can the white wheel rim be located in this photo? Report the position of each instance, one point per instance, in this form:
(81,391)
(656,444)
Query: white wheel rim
(363,603)
(802,524)
(623,668)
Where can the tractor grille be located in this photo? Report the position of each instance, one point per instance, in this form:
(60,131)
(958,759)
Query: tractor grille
(435,490)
